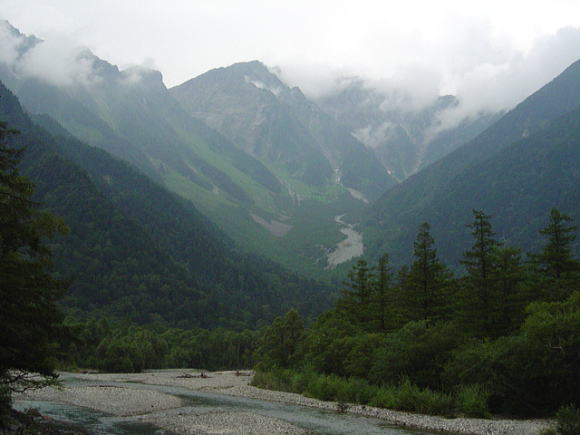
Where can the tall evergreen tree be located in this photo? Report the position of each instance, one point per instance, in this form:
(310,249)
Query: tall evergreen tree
(383,303)
(556,263)
(428,281)
(355,299)
(509,276)
(28,292)
(479,310)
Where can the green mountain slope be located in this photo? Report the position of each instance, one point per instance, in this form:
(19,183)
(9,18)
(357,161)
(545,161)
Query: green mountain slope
(249,104)
(271,210)
(444,193)
(137,251)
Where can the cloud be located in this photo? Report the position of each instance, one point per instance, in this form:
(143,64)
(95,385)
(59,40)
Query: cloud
(496,86)
(10,44)
(489,54)
(59,60)
(485,72)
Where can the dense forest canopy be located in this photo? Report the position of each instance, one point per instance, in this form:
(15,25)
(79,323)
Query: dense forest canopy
(501,337)
(138,252)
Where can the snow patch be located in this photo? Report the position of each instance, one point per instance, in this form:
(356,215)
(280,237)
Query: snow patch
(261,85)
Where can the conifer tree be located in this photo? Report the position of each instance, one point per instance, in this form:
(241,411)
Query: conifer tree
(556,259)
(556,262)
(28,292)
(479,310)
(509,276)
(383,304)
(355,300)
(427,282)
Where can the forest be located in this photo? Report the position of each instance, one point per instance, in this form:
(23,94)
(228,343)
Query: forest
(501,338)
(494,335)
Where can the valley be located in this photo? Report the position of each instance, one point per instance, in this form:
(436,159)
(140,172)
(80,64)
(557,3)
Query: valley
(370,246)
(244,147)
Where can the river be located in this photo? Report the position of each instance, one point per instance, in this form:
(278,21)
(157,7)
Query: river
(348,248)
(200,403)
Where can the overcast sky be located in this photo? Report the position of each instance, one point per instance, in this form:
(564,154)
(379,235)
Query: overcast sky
(507,48)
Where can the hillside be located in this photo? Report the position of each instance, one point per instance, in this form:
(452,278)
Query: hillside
(140,252)
(529,144)
(284,211)
(404,138)
(259,113)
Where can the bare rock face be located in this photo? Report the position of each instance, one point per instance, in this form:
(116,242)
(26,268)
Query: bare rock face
(405,137)
(253,108)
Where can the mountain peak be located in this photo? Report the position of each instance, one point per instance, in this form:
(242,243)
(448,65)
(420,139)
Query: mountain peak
(20,42)
(141,74)
(254,65)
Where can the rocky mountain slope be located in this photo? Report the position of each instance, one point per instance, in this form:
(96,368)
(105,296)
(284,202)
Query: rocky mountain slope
(405,138)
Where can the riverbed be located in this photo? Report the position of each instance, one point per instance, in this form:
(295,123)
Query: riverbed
(349,248)
(193,402)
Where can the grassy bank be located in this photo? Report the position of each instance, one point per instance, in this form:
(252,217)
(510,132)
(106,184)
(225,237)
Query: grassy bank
(470,401)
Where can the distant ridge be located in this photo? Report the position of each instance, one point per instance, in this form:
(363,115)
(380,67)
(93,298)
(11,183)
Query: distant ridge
(438,194)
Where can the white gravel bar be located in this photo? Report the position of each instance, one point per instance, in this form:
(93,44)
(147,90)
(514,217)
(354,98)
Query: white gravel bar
(229,422)
(169,412)
(119,401)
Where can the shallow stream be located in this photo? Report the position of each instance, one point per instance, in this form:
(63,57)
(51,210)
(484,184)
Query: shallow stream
(314,420)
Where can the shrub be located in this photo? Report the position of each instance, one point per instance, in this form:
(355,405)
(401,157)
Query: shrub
(359,390)
(568,420)
(385,397)
(416,352)
(271,380)
(472,401)
(425,401)
(324,387)
(298,382)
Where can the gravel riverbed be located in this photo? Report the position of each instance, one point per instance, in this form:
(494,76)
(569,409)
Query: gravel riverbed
(170,412)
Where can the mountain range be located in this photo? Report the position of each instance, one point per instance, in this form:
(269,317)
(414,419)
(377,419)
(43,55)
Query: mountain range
(404,138)
(279,175)
(516,170)
(136,250)
(270,167)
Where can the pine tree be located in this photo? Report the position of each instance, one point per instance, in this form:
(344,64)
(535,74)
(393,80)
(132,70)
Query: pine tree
(355,302)
(427,282)
(479,304)
(556,259)
(28,292)
(509,275)
(556,262)
(383,303)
